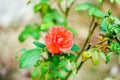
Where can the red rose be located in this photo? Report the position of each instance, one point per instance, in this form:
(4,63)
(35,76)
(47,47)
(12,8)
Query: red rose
(58,40)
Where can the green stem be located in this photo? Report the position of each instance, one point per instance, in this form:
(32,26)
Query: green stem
(62,11)
(89,36)
(91,30)
(80,65)
(67,77)
(87,41)
(68,8)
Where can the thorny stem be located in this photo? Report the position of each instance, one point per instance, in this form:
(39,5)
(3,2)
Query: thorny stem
(68,8)
(71,71)
(88,38)
(80,65)
(91,30)
(62,11)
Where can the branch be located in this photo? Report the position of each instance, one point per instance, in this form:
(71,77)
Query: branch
(88,38)
(69,73)
(87,41)
(80,65)
(62,11)
(91,30)
(68,8)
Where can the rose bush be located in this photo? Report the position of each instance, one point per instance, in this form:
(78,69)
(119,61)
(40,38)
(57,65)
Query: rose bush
(58,40)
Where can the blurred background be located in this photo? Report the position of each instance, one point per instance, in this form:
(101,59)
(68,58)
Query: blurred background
(15,14)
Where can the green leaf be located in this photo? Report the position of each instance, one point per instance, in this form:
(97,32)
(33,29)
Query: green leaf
(30,31)
(84,6)
(115,19)
(117,30)
(103,56)
(29,58)
(118,1)
(48,17)
(112,1)
(63,64)
(71,30)
(60,1)
(38,44)
(75,47)
(115,46)
(74,68)
(97,13)
(71,1)
(108,56)
(23,36)
(37,7)
(46,26)
(56,59)
(44,1)
(95,58)
(55,17)
(35,73)
(72,57)
(45,9)
(100,1)
(118,50)
(110,12)
(59,18)
(35,34)
(25,33)
(118,38)
(103,25)
(86,55)
(110,29)
(44,66)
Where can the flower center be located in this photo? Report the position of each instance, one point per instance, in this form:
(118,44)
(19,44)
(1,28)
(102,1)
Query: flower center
(59,40)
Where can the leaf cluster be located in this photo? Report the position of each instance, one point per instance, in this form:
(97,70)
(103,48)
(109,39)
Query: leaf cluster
(46,65)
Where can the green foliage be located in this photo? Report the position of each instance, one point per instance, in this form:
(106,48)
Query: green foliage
(84,6)
(69,56)
(54,17)
(108,55)
(109,26)
(71,30)
(92,9)
(55,67)
(115,46)
(86,55)
(103,25)
(42,6)
(100,1)
(118,1)
(29,58)
(75,47)
(103,56)
(38,44)
(97,13)
(95,58)
(30,30)
(92,54)
(111,1)
(47,68)
(50,17)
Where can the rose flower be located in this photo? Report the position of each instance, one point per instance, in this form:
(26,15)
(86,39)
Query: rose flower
(58,40)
